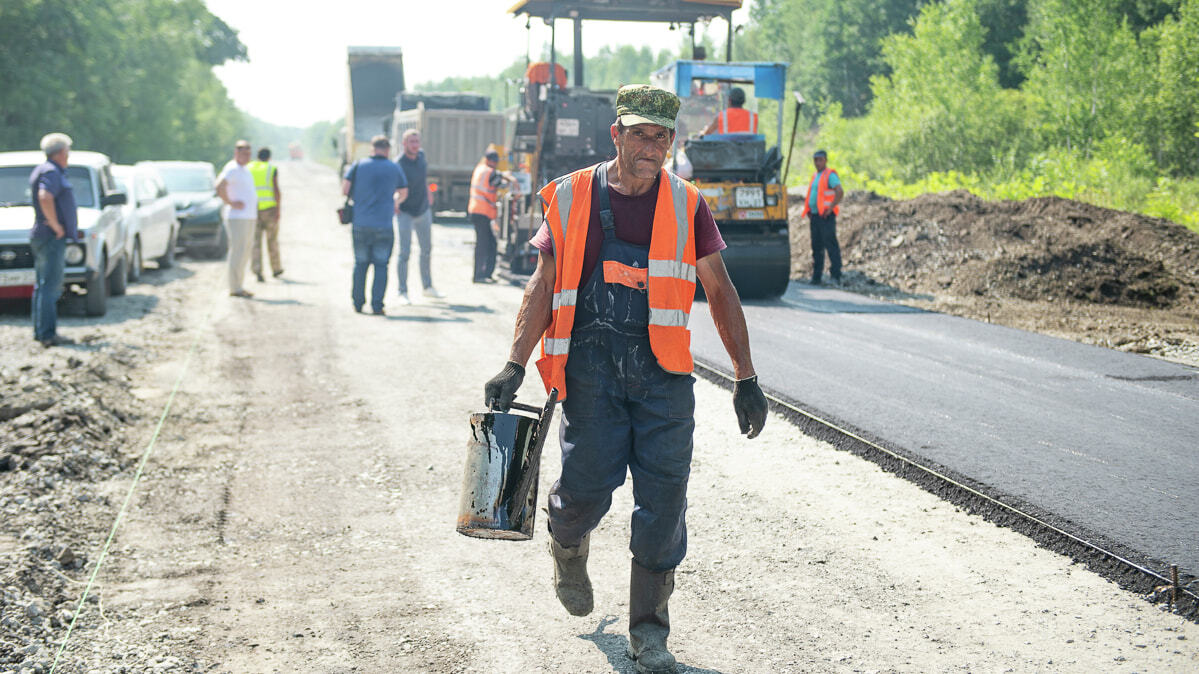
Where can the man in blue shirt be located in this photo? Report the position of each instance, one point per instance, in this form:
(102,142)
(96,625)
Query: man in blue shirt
(55,223)
(379,187)
(416,213)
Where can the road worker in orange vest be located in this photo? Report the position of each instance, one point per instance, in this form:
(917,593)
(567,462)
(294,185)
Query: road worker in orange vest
(621,248)
(822,208)
(484,193)
(735,119)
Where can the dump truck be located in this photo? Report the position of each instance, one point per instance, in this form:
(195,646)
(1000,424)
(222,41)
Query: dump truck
(456,129)
(376,75)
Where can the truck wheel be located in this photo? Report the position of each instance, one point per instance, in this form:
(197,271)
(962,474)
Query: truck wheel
(117,280)
(96,300)
(136,262)
(168,258)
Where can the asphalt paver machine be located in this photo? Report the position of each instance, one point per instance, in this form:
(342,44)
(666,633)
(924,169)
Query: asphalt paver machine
(561,126)
(735,172)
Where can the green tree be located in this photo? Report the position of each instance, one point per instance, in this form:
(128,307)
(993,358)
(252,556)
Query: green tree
(941,108)
(1085,72)
(131,78)
(1170,109)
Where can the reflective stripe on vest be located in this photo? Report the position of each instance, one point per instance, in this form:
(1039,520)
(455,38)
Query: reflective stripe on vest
(670,284)
(738,120)
(824,195)
(483,194)
(264,183)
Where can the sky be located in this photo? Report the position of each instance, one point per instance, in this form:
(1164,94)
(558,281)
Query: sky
(296,74)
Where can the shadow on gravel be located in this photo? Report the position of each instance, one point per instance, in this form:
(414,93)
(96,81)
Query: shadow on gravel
(469,309)
(615,648)
(427,319)
(263,300)
(72,310)
(161,277)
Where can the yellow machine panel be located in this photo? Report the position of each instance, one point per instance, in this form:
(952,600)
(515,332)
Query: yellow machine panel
(744,201)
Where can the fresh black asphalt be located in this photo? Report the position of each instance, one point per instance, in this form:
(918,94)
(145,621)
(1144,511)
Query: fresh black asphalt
(1101,443)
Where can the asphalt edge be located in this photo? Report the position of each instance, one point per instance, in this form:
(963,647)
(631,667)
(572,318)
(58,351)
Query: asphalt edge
(1127,568)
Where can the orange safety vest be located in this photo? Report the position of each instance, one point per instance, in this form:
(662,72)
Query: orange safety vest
(482,193)
(671,273)
(737,120)
(824,196)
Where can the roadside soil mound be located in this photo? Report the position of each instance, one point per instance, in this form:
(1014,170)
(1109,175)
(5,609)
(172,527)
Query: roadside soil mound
(1049,264)
(63,415)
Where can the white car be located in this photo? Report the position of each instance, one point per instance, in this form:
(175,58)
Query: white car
(151,228)
(96,261)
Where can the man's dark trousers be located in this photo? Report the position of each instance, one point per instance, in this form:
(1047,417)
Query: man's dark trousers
(372,247)
(49,264)
(824,238)
(484,246)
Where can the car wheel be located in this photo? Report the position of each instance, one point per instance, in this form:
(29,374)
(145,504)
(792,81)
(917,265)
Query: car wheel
(168,258)
(96,303)
(136,263)
(118,280)
(221,248)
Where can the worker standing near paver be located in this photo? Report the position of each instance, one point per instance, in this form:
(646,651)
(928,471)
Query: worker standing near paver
(484,193)
(822,206)
(266,182)
(622,245)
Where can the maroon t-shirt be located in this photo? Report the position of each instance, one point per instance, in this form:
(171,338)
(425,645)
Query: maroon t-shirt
(634,221)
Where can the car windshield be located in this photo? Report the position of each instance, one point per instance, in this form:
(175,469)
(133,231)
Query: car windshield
(187,179)
(14,185)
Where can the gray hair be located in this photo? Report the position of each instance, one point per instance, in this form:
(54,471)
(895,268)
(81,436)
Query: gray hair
(53,143)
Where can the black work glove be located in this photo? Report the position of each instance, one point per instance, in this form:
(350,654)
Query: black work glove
(750,404)
(499,392)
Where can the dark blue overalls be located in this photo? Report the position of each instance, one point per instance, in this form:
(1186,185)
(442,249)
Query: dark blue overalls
(622,412)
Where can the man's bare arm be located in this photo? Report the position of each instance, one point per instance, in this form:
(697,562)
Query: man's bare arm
(345,187)
(535,310)
(725,306)
(401,195)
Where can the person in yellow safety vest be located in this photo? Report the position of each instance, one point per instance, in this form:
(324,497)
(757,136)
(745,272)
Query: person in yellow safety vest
(621,247)
(736,119)
(484,192)
(822,208)
(266,182)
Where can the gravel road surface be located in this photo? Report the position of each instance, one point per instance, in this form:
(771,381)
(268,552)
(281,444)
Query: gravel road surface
(297,512)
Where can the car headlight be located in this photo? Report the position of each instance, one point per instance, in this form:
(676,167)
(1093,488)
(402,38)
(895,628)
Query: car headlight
(74,254)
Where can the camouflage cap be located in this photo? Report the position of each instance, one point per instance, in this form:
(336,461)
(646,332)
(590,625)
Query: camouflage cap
(645,104)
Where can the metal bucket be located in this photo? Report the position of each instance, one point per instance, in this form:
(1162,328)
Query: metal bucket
(503,461)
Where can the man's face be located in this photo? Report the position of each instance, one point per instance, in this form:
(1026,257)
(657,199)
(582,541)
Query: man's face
(820,163)
(412,145)
(241,153)
(61,156)
(641,149)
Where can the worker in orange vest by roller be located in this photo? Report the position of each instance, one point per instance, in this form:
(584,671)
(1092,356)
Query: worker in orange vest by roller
(821,207)
(484,192)
(621,247)
(736,119)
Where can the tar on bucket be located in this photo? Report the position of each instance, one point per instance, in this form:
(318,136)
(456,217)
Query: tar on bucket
(503,462)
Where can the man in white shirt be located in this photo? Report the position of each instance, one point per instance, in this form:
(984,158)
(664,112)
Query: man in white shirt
(235,186)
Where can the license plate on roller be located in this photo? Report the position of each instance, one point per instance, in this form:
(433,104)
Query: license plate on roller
(749,197)
(16,277)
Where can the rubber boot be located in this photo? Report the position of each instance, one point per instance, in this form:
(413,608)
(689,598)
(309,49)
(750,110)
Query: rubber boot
(571,583)
(649,619)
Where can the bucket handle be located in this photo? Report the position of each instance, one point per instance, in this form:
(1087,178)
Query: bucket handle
(530,476)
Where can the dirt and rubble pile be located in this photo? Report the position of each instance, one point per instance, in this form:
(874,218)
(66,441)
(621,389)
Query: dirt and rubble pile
(62,418)
(1047,264)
